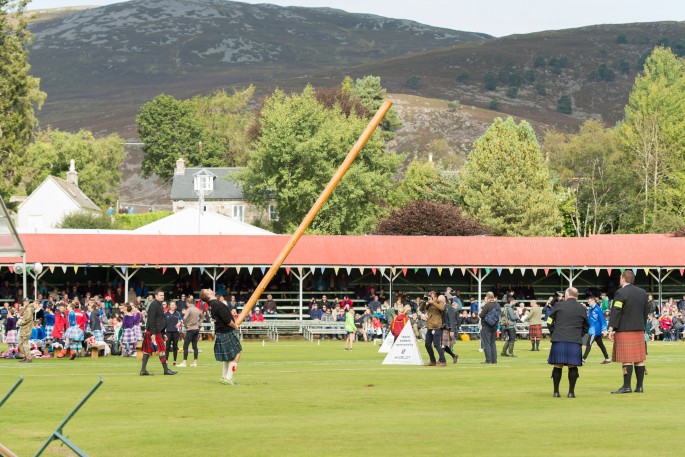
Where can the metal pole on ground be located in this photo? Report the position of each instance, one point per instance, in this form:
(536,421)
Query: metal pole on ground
(328,190)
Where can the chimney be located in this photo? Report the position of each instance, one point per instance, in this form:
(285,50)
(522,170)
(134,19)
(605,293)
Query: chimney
(180,167)
(72,175)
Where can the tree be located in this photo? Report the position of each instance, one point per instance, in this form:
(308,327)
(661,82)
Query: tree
(651,136)
(300,145)
(19,93)
(590,170)
(372,94)
(427,181)
(506,184)
(490,81)
(86,220)
(171,129)
(98,162)
(463,76)
(226,119)
(429,218)
(413,82)
(565,105)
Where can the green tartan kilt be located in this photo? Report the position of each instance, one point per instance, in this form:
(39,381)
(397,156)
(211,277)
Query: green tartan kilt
(226,346)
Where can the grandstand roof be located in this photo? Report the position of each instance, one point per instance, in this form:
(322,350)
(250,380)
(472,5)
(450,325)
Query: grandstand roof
(630,251)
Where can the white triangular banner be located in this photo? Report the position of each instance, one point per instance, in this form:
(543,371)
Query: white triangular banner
(349,270)
(405,351)
(387,343)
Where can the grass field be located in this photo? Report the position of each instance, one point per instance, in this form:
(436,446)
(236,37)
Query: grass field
(304,399)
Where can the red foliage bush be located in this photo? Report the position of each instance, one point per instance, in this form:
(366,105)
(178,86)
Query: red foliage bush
(428,218)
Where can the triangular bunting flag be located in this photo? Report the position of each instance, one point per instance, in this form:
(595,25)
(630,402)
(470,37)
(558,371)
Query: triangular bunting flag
(523,271)
(163,270)
(622,270)
(439,271)
(190,269)
(263,270)
(249,269)
(373,270)
(323,270)
(382,270)
(416,270)
(511,271)
(313,270)
(202,271)
(451,271)
(393,271)
(287,271)
(405,351)
(75,269)
(475,271)
(299,269)
(349,270)
(404,271)
(237,270)
(387,343)
(11,267)
(178,270)
(646,270)
(226,268)
(51,268)
(535,271)
(336,269)
(682,270)
(463,271)
(635,271)
(428,271)
(609,271)
(488,270)
(499,271)
(559,271)
(123,269)
(597,270)
(361,270)
(546,270)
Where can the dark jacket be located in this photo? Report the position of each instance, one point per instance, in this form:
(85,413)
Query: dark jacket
(629,312)
(568,322)
(222,316)
(172,320)
(449,318)
(94,321)
(487,307)
(156,323)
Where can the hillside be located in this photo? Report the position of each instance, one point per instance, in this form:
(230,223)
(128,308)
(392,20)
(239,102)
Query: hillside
(99,65)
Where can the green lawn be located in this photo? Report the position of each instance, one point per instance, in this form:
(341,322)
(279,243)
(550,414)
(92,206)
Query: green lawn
(300,398)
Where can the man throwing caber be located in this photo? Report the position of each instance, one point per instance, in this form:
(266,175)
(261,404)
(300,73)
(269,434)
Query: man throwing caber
(627,321)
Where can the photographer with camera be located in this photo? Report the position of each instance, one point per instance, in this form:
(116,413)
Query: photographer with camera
(434,308)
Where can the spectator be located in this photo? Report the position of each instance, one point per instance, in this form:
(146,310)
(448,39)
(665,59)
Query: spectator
(191,321)
(173,322)
(315,313)
(598,328)
(508,325)
(666,325)
(350,328)
(434,308)
(270,306)
(128,334)
(678,326)
(374,305)
(489,319)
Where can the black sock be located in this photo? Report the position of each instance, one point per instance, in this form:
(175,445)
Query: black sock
(572,377)
(145,358)
(627,375)
(639,375)
(556,378)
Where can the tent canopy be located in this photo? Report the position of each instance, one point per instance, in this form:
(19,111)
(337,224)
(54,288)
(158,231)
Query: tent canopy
(191,222)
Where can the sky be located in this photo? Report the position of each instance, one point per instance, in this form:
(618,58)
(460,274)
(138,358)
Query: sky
(494,17)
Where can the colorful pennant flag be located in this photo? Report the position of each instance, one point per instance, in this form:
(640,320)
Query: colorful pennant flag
(249,269)
(609,271)
(190,269)
(439,271)
(404,271)
(163,270)
(499,271)
(535,271)
(428,271)
(361,270)
(511,271)
(373,270)
(488,270)
(287,271)
(11,267)
(178,270)
(546,270)
(463,271)
(335,270)
(451,271)
(75,269)
(263,270)
(523,271)
(51,268)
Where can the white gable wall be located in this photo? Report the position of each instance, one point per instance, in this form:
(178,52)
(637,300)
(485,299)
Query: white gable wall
(44,208)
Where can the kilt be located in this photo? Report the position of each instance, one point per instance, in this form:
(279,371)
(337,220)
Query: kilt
(48,331)
(149,348)
(629,347)
(11,337)
(74,333)
(97,334)
(447,340)
(128,336)
(226,347)
(563,353)
(535,332)
(138,332)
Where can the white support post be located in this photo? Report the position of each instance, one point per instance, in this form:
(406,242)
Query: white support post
(571,276)
(36,277)
(126,276)
(301,277)
(23,259)
(214,277)
(391,277)
(660,280)
(479,277)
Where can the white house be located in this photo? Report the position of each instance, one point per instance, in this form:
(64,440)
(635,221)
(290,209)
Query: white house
(51,201)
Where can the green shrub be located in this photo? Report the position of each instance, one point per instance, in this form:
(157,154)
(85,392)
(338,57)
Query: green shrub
(414,82)
(494,104)
(565,105)
(133,221)
(86,220)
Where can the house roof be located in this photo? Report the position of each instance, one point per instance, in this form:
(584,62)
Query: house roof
(224,189)
(75,193)
(609,251)
(190,222)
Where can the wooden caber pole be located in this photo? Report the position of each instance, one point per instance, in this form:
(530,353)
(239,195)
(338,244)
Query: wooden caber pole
(328,190)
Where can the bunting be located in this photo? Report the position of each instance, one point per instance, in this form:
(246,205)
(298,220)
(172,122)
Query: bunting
(597,271)
(383,270)
(499,271)
(523,271)
(51,268)
(178,270)
(361,270)
(559,271)
(475,271)
(404,271)
(123,270)
(682,270)
(393,271)
(11,267)
(323,270)
(135,266)
(163,270)
(349,270)
(312,270)
(622,270)
(249,269)
(609,271)
(263,270)
(488,270)
(635,271)
(463,271)
(428,271)
(535,271)
(373,270)
(202,270)
(546,270)
(439,271)
(646,270)
(299,269)
(451,271)
(335,270)
(511,271)
(416,270)
(75,269)
(237,270)
(190,269)
(287,271)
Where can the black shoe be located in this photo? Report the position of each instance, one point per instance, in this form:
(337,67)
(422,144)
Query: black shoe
(483,363)
(145,373)
(504,355)
(571,395)
(622,390)
(556,395)
(639,390)
(169,372)
(512,355)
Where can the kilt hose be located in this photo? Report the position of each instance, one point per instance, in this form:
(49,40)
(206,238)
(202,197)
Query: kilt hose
(535,332)
(149,348)
(629,347)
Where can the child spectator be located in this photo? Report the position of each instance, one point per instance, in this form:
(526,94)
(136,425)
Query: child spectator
(128,335)
(137,320)
(11,336)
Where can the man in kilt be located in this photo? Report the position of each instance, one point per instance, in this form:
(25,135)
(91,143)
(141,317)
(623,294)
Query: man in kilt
(627,321)
(567,323)
(153,340)
(227,346)
(534,319)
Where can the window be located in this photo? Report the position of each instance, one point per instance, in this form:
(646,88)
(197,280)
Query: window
(239,212)
(204,182)
(273,215)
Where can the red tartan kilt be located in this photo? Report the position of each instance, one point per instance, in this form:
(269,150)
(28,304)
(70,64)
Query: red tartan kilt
(148,348)
(629,347)
(535,331)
